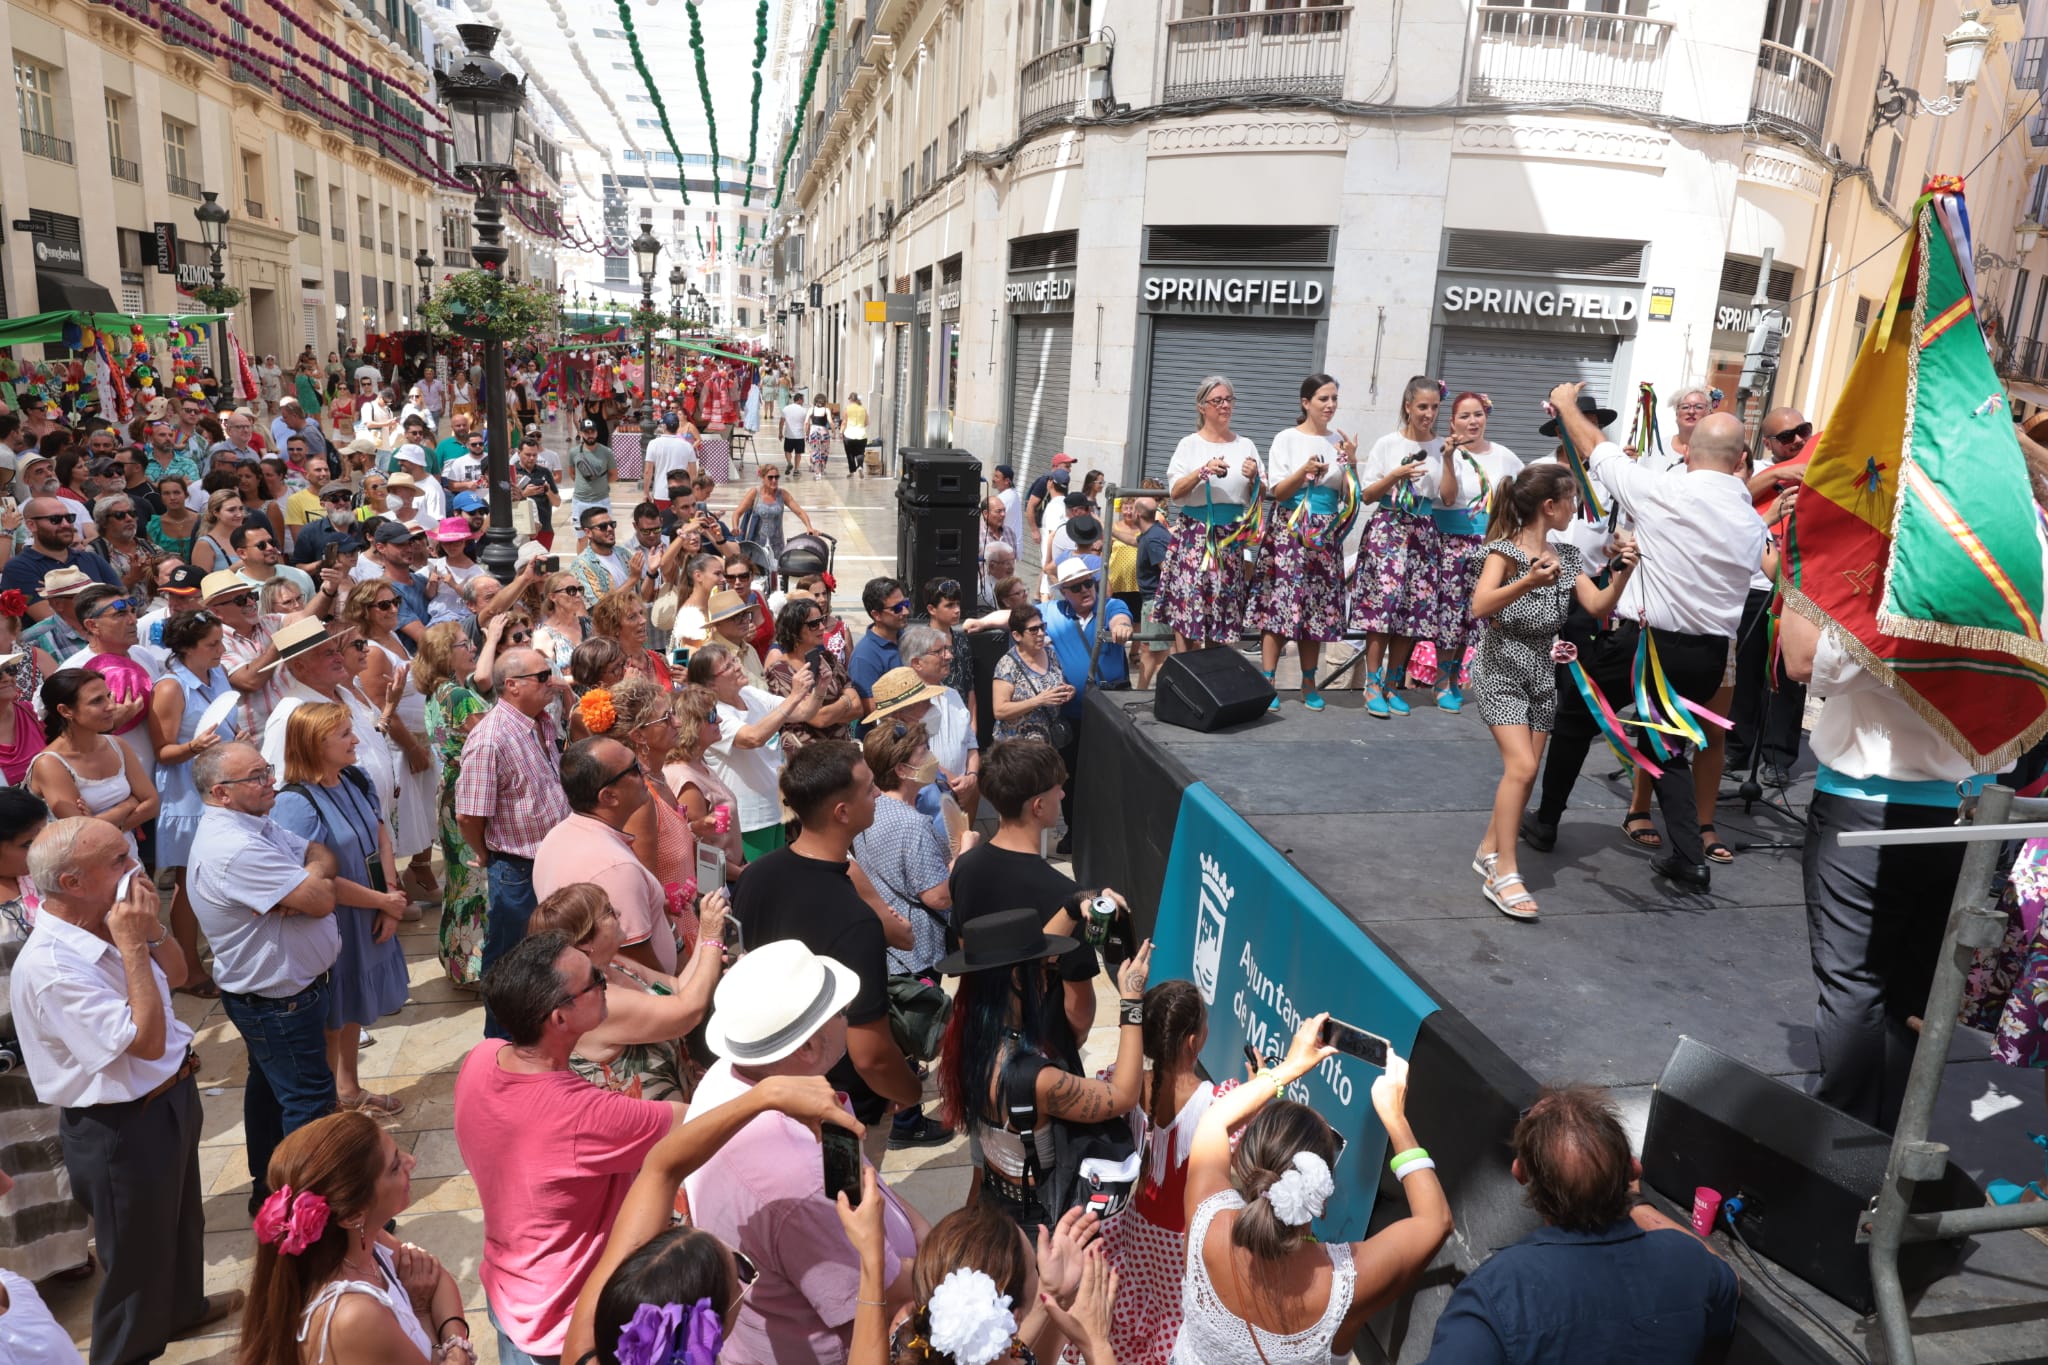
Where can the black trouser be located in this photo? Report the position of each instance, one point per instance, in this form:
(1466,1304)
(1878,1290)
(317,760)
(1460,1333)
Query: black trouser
(1694,664)
(1874,923)
(856,454)
(135,1168)
(1762,716)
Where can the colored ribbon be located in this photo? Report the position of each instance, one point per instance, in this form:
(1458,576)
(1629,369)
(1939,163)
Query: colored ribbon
(1609,723)
(1590,505)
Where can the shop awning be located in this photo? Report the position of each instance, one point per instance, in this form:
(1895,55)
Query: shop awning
(58,291)
(709,350)
(49,327)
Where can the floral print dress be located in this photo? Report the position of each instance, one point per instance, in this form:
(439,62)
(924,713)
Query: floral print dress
(2007,991)
(1044,722)
(464,898)
(647,1071)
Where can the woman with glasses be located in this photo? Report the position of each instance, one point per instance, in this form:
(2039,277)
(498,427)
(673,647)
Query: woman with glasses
(224,513)
(1214,479)
(931,653)
(565,602)
(443,670)
(121,542)
(766,501)
(1029,688)
(800,640)
(1394,586)
(387,680)
(739,576)
(193,680)
(281,598)
(327,798)
(699,791)
(1687,408)
(173,530)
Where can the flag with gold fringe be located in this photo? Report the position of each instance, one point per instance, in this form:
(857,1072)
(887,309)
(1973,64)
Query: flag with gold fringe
(1915,542)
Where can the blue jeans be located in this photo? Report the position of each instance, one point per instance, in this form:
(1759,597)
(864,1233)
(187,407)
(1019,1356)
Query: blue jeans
(508,1352)
(289,1083)
(510,880)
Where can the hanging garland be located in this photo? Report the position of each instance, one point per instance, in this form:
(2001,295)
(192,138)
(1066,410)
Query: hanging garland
(308,59)
(803,99)
(654,94)
(710,117)
(754,114)
(322,40)
(625,127)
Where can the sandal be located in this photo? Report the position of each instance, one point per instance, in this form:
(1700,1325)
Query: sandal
(1647,837)
(1516,904)
(1483,864)
(1716,851)
(369,1101)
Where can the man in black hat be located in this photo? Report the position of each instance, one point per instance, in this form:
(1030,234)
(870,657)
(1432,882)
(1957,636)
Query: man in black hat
(1699,543)
(337,526)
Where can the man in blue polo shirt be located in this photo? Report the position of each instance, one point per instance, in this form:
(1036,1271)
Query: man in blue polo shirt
(53,540)
(875,653)
(1606,1277)
(1070,630)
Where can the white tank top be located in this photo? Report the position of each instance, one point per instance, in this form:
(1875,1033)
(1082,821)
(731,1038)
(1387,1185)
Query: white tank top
(1211,1334)
(391,1294)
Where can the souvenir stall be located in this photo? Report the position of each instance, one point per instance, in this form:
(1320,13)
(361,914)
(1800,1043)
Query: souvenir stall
(118,361)
(712,391)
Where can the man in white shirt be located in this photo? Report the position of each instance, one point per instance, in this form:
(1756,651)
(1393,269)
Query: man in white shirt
(747,756)
(433,499)
(1700,544)
(91,994)
(796,416)
(666,452)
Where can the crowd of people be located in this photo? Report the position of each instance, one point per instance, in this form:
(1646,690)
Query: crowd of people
(737,885)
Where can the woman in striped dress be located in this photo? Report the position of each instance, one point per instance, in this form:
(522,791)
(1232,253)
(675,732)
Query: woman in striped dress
(1214,480)
(1394,587)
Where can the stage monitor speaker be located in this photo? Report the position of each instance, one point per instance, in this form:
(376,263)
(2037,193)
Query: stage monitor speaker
(1207,689)
(937,542)
(1805,1172)
(939,478)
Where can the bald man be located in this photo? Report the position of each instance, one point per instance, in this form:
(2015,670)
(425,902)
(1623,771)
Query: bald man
(1701,544)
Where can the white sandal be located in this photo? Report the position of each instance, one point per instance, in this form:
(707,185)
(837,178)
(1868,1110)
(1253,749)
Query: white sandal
(1483,864)
(1519,905)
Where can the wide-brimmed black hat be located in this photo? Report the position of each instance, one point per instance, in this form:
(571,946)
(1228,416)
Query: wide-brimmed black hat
(1003,940)
(1602,417)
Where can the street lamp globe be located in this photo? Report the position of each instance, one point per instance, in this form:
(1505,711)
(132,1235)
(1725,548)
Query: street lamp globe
(646,252)
(484,100)
(424,263)
(1966,45)
(213,222)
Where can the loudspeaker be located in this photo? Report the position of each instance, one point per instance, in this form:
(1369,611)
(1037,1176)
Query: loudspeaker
(1207,689)
(937,542)
(948,478)
(1805,1172)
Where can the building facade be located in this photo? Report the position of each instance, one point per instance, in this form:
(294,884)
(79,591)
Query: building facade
(1065,216)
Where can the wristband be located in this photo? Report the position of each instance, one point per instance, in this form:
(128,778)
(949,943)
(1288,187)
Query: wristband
(1130,1012)
(1421,1163)
(439,1327)
(1401,1159)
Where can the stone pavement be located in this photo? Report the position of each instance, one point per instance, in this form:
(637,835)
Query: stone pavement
(417,1051)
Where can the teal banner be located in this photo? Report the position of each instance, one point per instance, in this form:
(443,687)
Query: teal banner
(1267,950)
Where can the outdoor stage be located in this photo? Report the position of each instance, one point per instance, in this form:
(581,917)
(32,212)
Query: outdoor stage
(1337,849)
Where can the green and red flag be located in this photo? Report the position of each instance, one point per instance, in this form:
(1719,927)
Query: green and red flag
(1916,542)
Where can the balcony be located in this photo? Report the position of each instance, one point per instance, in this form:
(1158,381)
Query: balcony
(252,209)
(125,169)
(45,146)
(386,247)
(180,186)
(309,226)
(1051,85)
(1568,56)
(1284,52)
(339,234)
(456,260)
(2037,128)
(1791,90)
(367,242)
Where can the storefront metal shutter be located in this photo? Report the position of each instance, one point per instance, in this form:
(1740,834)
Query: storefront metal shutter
(1265,360)
(899,427)
(1038,394)
(1517,370)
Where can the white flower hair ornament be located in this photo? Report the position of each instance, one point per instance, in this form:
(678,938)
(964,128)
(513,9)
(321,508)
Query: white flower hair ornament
(970,1321)
(1303,1191)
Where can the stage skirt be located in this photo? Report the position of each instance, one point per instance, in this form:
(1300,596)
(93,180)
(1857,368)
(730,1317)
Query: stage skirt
(1300,591)
(1394,585)
(1202,603)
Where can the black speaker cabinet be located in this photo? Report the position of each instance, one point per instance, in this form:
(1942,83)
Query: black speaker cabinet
(1207,689)
(937,542)
(945,478)
(1805,1172)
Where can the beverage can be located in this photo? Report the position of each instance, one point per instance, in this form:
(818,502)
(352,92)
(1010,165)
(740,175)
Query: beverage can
(721,818)
(1101,914)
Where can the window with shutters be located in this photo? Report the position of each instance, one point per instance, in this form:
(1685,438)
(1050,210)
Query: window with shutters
(181,168)
(35,100)
(1858,326)
(121,137)
(306,202)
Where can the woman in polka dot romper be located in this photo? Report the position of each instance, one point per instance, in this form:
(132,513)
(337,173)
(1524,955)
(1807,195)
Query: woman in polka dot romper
(1525,587)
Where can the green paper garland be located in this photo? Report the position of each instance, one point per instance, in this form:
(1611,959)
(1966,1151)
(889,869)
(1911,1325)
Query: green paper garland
(704,89)
(803,101)
(754,114)
(660,109)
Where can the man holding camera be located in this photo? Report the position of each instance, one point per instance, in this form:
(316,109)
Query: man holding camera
(534,482)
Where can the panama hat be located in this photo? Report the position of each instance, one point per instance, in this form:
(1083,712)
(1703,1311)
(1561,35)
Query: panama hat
(772,1000)
(901,687)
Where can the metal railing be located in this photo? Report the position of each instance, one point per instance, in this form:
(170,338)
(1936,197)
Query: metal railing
(1791,89)
(1051,84)
(180,186)
(1569,56)
(387,248)
(1291,51)
(368,242)
(125,169)
(2037,127)
(43,145)
(457,260)
(252,208)
(339,234)
(309,226)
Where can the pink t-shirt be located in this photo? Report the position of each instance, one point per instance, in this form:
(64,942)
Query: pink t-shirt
(585,849)
(552,1157)
(764,1192)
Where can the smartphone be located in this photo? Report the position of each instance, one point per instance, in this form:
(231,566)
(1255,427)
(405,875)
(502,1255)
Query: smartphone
(330,556)
(1253,1059)
(842,1163)
(1354,1041)
(550,564)
(7,505)
(816,660)
(679,657)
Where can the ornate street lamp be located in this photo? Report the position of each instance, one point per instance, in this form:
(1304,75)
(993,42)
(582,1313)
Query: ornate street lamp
(484,100)
(424,263)
(647,255)
(213,230)
(675,298)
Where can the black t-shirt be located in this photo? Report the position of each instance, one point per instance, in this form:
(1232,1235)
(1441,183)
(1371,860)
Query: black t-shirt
(786,895)
(987,880)
(542,478)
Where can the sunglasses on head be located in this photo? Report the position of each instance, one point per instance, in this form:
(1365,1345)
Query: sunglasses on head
(113,608)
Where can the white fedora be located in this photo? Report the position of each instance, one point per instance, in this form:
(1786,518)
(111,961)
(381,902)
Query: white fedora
(774,999)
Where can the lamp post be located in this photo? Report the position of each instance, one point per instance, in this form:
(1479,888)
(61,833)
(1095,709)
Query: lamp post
(646,255)
(213,230)
(484,100)
(424,263)
(1964,48)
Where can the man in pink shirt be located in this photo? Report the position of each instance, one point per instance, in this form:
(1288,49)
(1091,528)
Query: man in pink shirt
(780,1012)
(602,781)
(551,1154)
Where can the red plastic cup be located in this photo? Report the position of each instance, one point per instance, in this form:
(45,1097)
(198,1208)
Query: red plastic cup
(721,818)
(1706,1205)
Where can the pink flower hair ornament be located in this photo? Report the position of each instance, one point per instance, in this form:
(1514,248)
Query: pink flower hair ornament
(293,1223)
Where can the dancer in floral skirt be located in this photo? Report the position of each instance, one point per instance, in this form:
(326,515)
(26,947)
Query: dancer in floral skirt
(1394,587)
(1300,592)
(1214,481)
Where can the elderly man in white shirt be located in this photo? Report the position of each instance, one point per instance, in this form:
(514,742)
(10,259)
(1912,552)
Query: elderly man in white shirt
(91,994)
(1700,543)
(266,899)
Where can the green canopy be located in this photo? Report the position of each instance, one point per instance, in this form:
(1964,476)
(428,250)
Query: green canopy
(49,327)
(709,350)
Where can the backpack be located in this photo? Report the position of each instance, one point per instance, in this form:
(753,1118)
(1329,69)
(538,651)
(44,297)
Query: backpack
(1096,1166)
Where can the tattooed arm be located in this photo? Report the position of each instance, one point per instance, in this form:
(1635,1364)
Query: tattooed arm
(1063,1095)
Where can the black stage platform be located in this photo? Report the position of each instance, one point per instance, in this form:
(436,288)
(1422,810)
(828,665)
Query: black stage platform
(1383,816)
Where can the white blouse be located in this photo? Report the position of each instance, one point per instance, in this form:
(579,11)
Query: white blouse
(1193,452)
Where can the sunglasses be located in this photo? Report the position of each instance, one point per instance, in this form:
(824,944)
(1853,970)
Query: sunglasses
(544,673)
(359,646)
(60,516)
(1798,433)
(741,577)
(601,526)
(1035,628)
(597,983)
(240,599)
(113,608)
(520,637)
(388,604)
(632,769)
(117,516)
(900,609)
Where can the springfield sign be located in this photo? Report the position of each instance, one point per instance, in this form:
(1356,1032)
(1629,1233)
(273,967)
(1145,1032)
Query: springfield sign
(1223,884)
(1543,301)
